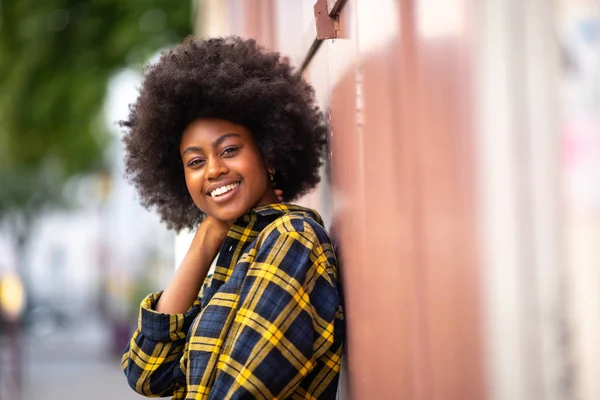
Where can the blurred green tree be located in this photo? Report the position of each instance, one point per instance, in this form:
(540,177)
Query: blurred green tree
(56,58)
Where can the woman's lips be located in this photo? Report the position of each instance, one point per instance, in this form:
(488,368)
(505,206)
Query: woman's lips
(225,196)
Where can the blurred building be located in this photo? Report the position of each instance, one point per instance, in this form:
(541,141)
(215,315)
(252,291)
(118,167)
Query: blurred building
(462,186)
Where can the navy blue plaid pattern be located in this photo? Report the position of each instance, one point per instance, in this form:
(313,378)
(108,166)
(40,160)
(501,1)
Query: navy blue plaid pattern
(268,324)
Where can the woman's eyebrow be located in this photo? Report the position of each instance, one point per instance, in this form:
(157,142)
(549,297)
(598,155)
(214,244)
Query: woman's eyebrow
(216,143)
(222,138)
(190,149)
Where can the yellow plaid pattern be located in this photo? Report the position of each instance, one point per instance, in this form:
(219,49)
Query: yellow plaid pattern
(268,324)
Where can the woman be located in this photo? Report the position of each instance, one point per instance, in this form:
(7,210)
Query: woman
(217,124)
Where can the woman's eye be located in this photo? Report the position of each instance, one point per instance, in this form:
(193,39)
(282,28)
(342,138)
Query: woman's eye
(229,151)
(195,162)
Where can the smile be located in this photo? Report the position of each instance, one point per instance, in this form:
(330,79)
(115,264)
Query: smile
(220,191)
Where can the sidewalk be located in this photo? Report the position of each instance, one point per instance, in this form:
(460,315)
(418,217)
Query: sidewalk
(74,364)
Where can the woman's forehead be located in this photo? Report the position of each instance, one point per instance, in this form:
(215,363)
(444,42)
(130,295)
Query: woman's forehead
(204,133)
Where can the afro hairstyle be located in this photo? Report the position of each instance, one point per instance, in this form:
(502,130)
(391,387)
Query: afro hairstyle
(223,78)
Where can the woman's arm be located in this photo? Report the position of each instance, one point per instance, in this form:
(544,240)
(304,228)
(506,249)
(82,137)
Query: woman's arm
(152,359)
(185,285)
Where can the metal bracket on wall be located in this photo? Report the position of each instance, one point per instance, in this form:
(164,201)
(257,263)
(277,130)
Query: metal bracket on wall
(326,25)
(327,19)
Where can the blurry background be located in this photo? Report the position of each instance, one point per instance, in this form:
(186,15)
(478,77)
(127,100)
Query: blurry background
(71,229)
(462,186)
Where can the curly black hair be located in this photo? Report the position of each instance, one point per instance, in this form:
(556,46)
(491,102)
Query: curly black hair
(230,79)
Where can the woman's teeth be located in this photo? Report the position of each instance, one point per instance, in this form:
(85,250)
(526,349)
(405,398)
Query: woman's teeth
(223,189)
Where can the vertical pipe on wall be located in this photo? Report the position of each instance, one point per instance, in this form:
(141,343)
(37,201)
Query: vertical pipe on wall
(518,197)
(542,72)
(512,369)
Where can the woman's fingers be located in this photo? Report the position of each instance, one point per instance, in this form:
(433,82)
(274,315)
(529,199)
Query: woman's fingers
(279,194)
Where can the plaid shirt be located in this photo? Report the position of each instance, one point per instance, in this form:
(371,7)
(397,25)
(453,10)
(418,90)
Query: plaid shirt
(267,324)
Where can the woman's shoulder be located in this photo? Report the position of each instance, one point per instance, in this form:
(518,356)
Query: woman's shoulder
(299,238)
(299,220)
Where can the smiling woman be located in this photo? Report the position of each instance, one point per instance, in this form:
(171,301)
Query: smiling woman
(227,79)
(220,129)
(224,171)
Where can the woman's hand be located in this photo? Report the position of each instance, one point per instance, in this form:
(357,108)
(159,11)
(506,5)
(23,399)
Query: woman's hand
(179,296)
(214,231)
(279,194)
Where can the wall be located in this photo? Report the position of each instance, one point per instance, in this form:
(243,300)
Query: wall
(443,188)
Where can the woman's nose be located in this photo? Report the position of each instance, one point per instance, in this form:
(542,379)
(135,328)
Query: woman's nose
(215,168)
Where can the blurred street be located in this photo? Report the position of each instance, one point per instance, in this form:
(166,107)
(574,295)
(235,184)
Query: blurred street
(74,363)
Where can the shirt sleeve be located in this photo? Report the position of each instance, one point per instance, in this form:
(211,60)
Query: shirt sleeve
(153,356)
(285,321)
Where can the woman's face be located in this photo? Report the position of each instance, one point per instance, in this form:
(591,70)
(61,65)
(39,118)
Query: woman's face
(224,170)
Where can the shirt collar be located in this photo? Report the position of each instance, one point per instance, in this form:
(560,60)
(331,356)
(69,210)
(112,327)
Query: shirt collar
(258,218)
